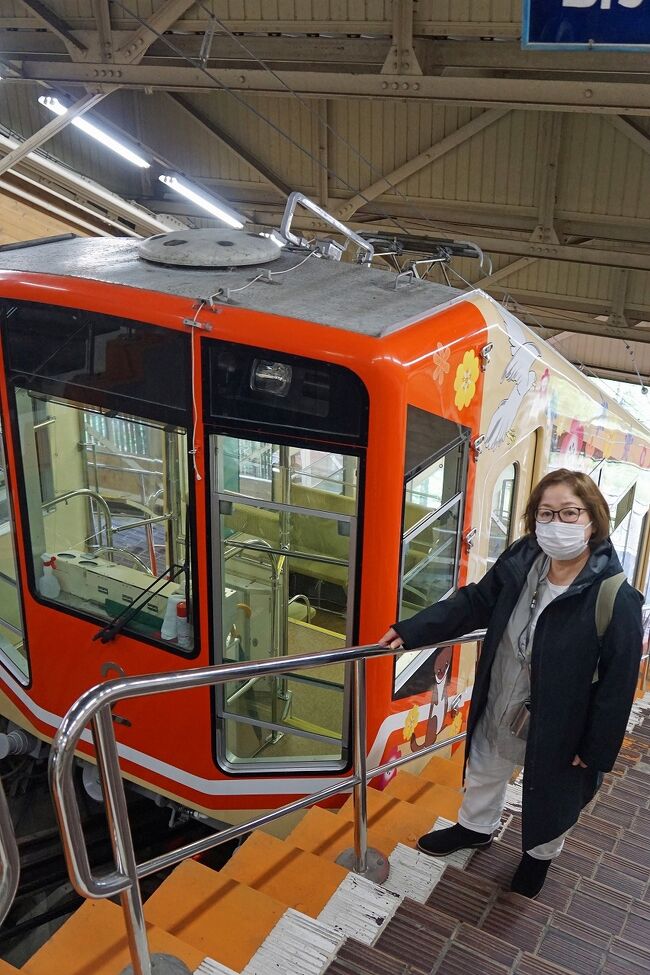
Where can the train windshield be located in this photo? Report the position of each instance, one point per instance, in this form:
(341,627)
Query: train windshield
(106,500)
(287,521)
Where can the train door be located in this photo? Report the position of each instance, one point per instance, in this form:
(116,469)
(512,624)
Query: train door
(284,526)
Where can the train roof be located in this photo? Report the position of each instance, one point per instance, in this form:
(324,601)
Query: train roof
(366,300)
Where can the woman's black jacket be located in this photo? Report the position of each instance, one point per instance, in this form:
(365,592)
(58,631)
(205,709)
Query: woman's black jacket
(570,714)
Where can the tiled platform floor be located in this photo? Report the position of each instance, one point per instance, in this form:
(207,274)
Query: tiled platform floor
(592,917)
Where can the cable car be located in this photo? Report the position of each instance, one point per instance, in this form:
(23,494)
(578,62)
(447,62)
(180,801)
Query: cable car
(224,446)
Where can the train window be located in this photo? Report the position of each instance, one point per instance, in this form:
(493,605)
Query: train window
(286,519)
(12,647)
(503,503)
(433,487)
(106,501)
(432,517)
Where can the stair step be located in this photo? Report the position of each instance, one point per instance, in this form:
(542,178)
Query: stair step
(93,942)
(416,935)
(439,800)
(517,920)
(354,958)
(462,895)
(7,969)
(219,917)
(327,834)
(404,822)
(443,772)
(413,874)
(574,944)
(359,909)
(288,874)
(298,945)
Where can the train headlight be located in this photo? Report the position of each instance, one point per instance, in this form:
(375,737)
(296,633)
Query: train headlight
(271,377)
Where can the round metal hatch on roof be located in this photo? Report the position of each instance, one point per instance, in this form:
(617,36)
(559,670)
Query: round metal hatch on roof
(210,247)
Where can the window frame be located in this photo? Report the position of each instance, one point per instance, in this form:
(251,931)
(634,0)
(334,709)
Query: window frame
(215,496)
(460,442)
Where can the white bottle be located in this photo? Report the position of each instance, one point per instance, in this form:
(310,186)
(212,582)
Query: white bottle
(168,629)
(48,584)
(183,627)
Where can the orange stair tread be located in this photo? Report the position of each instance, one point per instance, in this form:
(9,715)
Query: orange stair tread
(439,800)
(285,872)
(442,771)
(93,942)
(403,821)
(327,835)
(7,969)
(219,917)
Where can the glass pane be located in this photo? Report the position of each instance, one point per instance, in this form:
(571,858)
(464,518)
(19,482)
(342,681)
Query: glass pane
(245,524)
(285,589)
(502,507)
(11,623)
(300,476)
(429,568)
(433,487)
(106,497)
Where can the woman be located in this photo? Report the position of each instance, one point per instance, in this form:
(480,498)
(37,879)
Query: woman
(550,693)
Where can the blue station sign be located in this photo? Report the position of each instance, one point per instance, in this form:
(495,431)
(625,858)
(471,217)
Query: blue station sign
(573,25)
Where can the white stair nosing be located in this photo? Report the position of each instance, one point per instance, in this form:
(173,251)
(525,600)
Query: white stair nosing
(297,945)
(359,908)
(413,874)
(211,967)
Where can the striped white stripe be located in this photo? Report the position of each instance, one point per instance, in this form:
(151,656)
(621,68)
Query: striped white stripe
(413,874)
(297,945)
(211,967)
(359,909)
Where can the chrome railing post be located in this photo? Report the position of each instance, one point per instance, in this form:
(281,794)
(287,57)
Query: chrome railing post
(367,862)
(360,796)
(9,859)
(121,839)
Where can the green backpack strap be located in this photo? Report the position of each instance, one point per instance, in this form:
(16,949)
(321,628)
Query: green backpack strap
(605,605)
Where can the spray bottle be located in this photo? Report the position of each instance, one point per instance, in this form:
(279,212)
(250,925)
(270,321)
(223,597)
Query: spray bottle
(48,584)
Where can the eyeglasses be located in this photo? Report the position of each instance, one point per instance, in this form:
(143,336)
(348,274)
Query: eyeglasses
(568,516)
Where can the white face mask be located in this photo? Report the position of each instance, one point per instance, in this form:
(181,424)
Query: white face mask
(560,541)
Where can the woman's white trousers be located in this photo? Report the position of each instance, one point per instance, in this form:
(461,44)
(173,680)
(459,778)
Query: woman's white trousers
(486,780)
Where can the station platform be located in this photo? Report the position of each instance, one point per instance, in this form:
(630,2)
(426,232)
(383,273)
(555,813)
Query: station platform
(284,907)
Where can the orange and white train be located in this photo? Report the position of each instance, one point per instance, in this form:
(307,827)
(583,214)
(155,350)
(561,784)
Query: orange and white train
(221,446)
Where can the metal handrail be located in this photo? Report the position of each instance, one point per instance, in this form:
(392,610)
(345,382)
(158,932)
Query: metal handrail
(85,493)
(9,858)
(94,708)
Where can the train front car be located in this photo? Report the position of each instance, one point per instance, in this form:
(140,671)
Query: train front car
(219,449)
(196,461)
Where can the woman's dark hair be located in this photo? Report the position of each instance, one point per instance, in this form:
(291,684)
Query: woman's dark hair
(584,488)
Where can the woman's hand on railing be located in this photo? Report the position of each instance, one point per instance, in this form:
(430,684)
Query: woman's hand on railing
(392,639)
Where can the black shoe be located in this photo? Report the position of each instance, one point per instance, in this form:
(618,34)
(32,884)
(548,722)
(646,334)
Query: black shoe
(442,842)
(529,876)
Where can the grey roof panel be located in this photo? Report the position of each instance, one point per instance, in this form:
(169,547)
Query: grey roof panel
(358,299)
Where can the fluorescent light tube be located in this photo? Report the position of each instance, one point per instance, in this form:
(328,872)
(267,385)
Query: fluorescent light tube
(206,203)
(94,132)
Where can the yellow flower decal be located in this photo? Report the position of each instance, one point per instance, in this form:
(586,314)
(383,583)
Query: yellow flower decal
(411,723)
(456,725)
(465,381)
(441,362)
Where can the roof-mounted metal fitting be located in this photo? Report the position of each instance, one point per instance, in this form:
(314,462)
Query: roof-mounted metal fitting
(366,250)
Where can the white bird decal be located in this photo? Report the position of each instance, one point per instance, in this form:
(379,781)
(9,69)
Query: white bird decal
(518,371)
